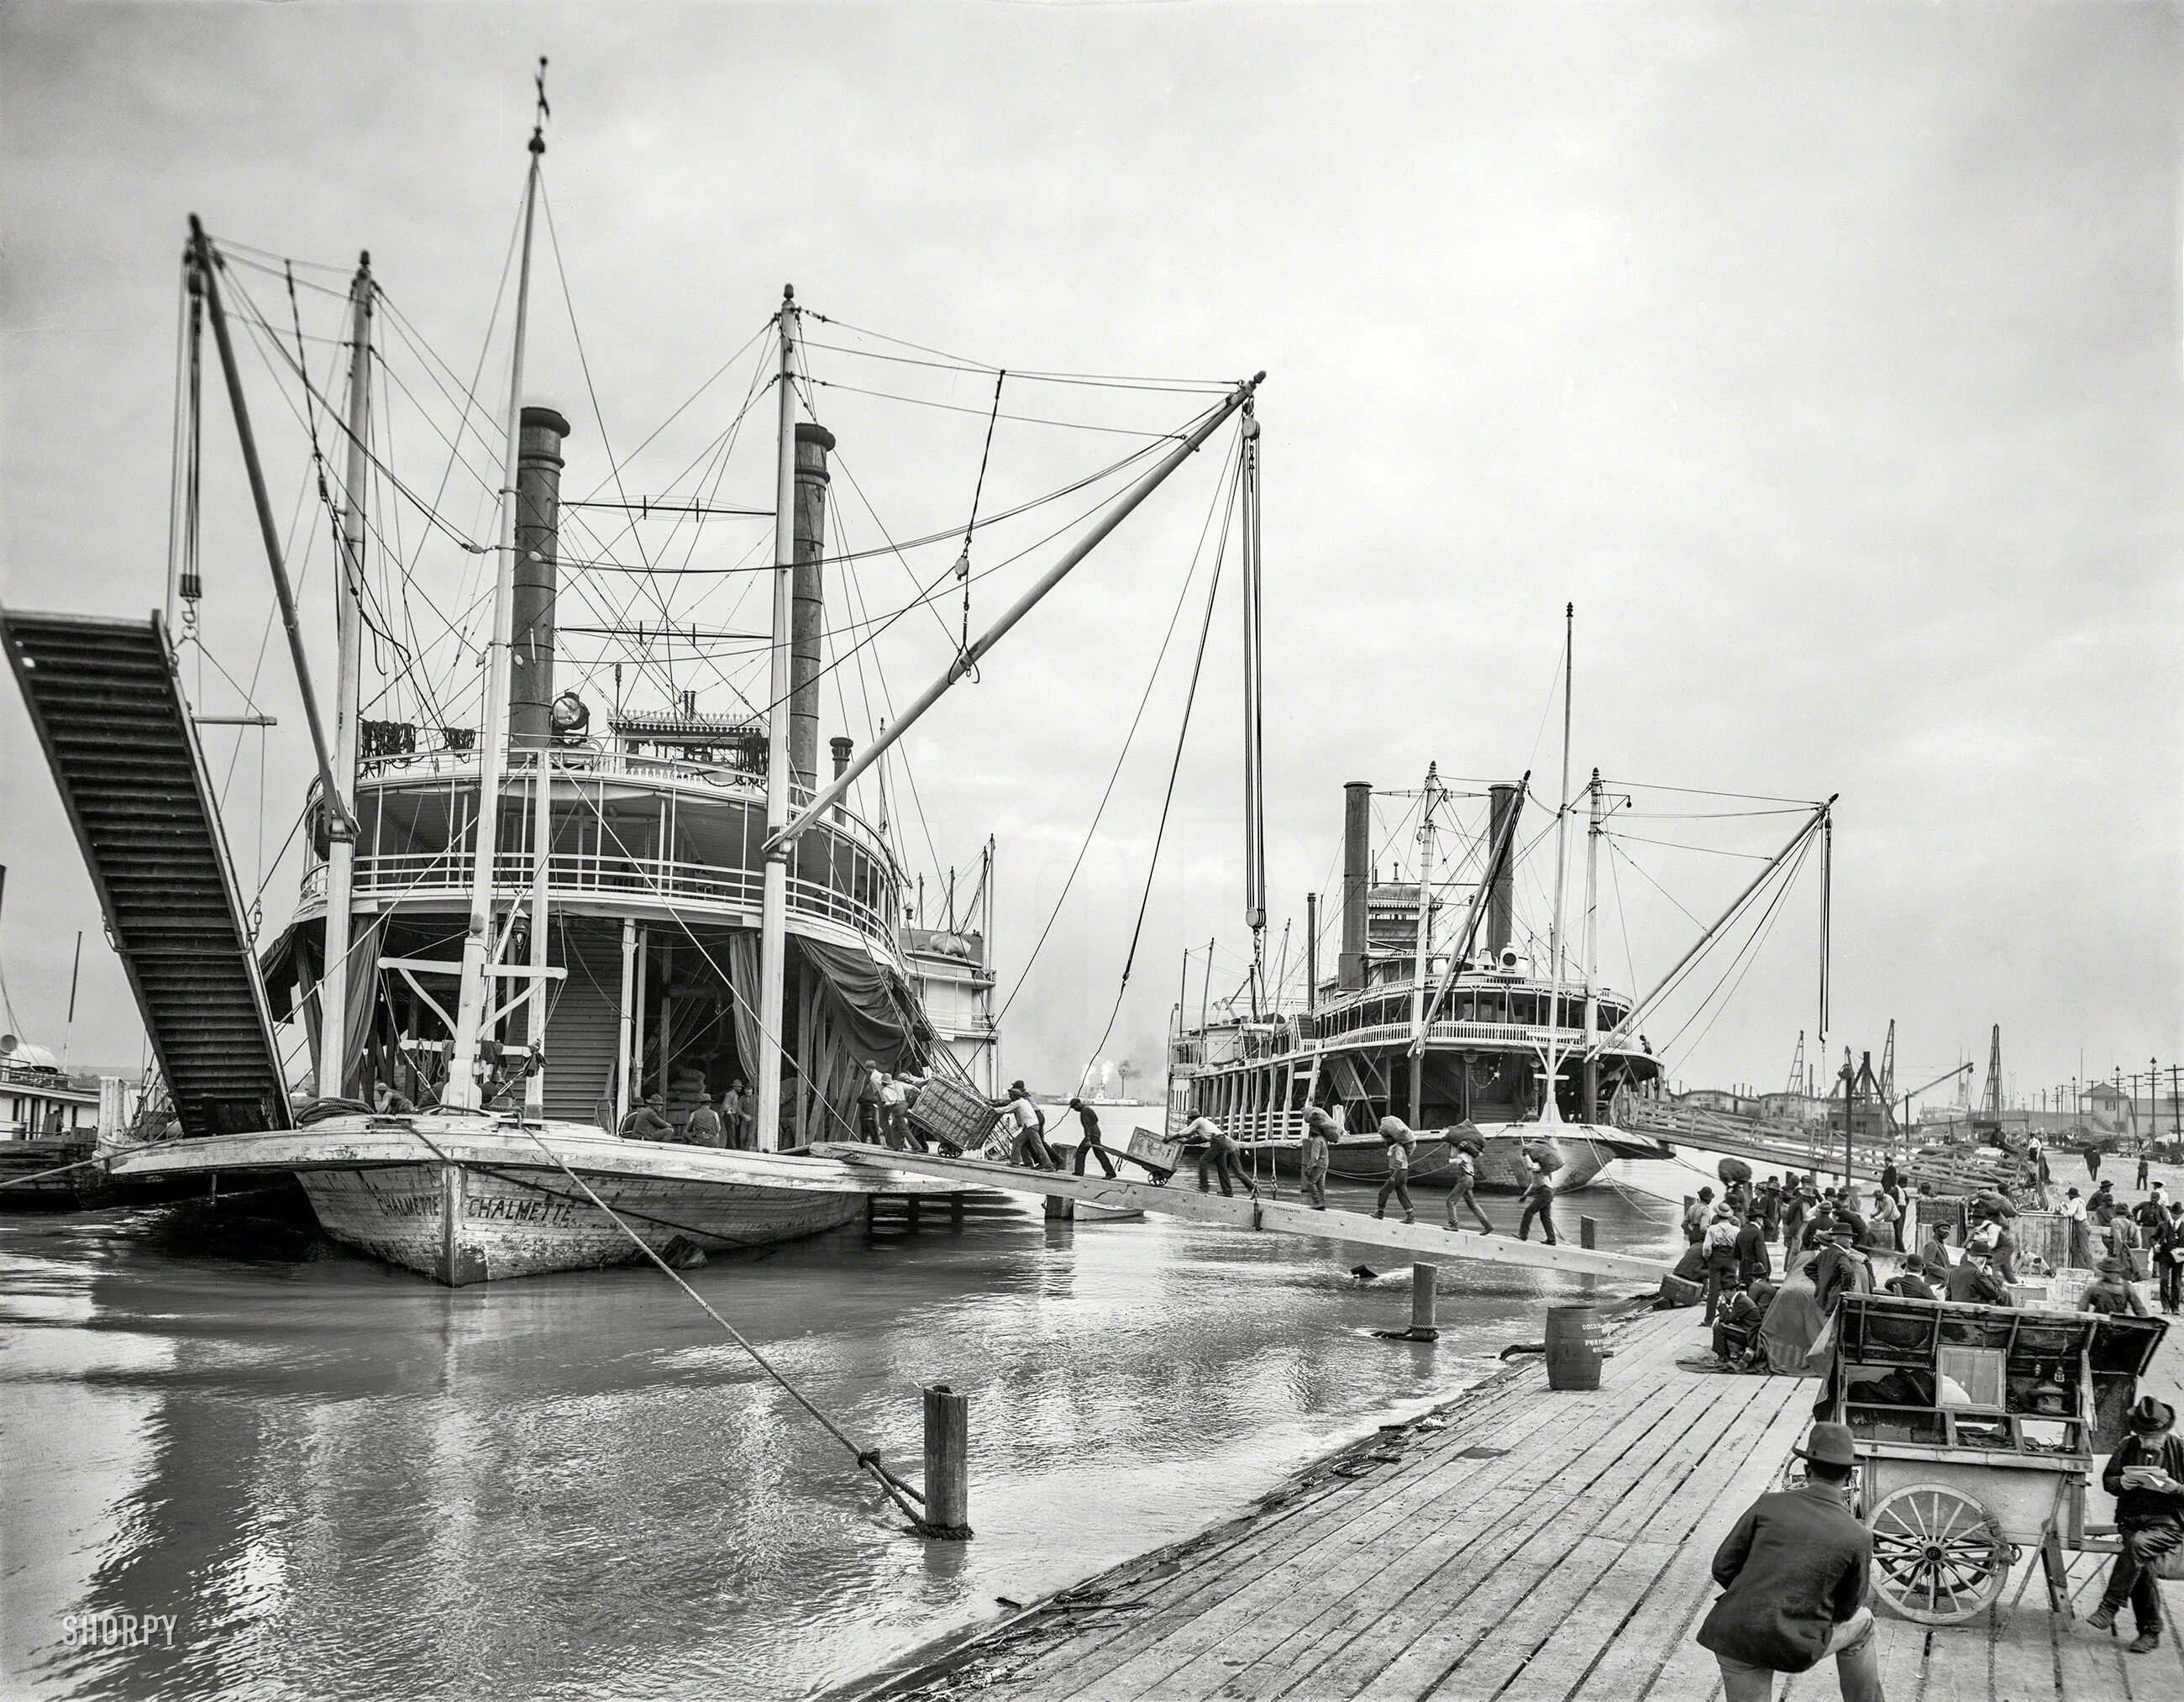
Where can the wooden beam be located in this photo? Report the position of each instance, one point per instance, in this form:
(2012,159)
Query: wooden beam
(1426,1240)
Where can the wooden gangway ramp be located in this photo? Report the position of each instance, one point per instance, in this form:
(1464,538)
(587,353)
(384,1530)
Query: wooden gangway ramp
(1520,1544)
(1426,1242)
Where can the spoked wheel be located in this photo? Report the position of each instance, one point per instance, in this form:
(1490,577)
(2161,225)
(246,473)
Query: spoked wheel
(1938,1557)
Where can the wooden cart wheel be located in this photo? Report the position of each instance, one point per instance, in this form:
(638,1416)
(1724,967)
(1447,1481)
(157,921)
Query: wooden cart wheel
(1938,1557)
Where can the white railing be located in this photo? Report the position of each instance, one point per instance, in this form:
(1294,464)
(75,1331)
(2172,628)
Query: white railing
(435,875)
(678,775)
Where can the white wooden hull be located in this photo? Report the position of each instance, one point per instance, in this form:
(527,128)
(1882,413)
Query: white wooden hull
(471,1199)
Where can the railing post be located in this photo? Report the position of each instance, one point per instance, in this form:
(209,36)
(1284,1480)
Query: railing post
(1588,1233)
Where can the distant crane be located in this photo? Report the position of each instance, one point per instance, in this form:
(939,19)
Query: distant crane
(1991,1105)
(1797,1066)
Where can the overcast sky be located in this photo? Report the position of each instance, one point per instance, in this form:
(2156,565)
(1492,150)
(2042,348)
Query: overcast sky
(1827,358)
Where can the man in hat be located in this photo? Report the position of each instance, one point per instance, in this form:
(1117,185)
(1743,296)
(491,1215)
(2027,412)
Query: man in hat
(1972,1281)
(1720,1244)
(1031,1150)
(1838,1269)
(1090,1146)
(1753,1262)
(1462,1178)
(1697,1213)
(1397,1136)
(1912,1283)
(1539,1202)
(648,1121)
(2146,1475)
(2168,1256)
(2111,1291)
(1219,1155)
(1793,1573)
(1319,1132)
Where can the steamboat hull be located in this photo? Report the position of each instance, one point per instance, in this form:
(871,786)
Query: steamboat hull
(465,1201)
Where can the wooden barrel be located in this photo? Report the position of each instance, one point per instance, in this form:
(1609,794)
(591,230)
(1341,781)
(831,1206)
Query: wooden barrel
(1574,1343)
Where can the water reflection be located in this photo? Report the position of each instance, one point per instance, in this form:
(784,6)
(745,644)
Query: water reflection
(345,1481)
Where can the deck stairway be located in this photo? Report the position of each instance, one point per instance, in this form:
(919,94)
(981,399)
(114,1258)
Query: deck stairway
(580,1023)
(109,713)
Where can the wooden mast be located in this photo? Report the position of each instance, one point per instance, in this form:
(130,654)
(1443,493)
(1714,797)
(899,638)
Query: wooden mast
(1254,810)
(1423,941)
(333,1060)
(1589,1064)
(462,1089)
(773,903)
(1551,1112)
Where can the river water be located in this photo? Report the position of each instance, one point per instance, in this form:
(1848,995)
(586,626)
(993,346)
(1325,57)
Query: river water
(341,1480)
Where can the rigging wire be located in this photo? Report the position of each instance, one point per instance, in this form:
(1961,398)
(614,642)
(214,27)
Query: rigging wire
(1220,490)
(1182,736)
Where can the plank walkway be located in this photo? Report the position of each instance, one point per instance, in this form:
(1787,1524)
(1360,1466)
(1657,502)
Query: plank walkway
(1519,1544)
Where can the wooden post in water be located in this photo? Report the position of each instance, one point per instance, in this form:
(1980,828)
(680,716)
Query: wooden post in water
(1421,1303)
(1587,1234)
(1060,1209)
(910,1212)
(947,1463)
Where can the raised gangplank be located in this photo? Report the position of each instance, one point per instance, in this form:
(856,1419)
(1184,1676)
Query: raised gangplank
(1428,1243)
(1519,1543)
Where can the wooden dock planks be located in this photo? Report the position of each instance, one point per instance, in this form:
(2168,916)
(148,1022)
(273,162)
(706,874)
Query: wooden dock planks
(1522,1545)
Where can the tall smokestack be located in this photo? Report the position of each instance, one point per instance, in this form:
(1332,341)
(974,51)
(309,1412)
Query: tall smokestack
(1357,880)
(1500,898)
(537,574)
(807,629)
(843,748)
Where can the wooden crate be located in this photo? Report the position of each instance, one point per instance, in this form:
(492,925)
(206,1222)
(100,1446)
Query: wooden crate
(956,1116)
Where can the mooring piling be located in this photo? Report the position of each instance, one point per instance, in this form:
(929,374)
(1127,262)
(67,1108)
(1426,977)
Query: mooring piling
(947,1463)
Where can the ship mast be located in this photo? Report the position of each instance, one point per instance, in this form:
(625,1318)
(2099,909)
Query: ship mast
(333,1060)
(462,1089)
(1423,942)
(1550,1113)
(1254,807)
(773,901)
(1589,1064)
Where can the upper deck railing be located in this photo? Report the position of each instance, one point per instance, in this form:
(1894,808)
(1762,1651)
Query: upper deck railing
(624,827)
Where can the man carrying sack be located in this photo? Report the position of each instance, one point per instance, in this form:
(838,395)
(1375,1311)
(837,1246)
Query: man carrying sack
(1794,1572)
(2146,1475)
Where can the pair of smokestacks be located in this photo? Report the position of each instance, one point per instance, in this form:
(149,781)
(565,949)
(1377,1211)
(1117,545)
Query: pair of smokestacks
(1357,877)
(537,576)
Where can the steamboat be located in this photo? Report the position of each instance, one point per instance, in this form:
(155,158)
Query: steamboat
(517,929)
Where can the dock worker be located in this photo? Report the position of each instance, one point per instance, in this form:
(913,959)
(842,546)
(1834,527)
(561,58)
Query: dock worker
(1697,1213)
(648,1121)
(1219,1155)
(735,1116)
(2110,1292)
(1030,1150)
(1396,1136)
(1319,1132)
(1771,1208)
(1753,1262)
(1090,1146)
(1720,1245)
(2146,1475)
(1794,1572)
(2168,1240)
(1539,1202)
(704,1127)
(1462,1178)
